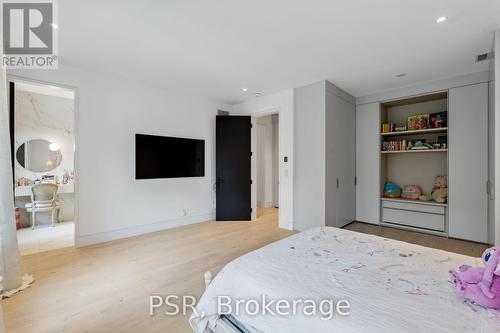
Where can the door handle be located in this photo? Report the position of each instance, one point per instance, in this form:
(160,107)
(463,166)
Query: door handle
(338,183)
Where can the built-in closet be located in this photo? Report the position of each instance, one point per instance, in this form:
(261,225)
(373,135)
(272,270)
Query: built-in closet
(324,175)
(399,140)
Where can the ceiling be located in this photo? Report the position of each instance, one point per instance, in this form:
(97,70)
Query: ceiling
(214,48)
(44,89)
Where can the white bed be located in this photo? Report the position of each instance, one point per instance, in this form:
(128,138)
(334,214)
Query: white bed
(392,286)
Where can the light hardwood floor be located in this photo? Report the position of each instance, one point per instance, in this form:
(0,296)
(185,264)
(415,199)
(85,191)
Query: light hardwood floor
(106,287)
(436,242)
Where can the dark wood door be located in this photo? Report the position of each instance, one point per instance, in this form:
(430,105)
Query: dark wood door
(233,168)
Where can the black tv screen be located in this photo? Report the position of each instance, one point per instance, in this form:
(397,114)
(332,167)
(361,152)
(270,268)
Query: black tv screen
(168,157)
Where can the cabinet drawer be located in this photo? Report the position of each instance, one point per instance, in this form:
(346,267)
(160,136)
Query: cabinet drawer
(414,207)
(414,219)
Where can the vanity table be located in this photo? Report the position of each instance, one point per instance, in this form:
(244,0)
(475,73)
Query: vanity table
(25,191)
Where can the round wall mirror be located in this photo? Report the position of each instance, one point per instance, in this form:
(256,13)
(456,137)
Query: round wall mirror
(39,155)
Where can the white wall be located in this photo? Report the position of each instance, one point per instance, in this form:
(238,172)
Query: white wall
(111,204)
(265,161)
(276,159)
(282,102)
(310,143)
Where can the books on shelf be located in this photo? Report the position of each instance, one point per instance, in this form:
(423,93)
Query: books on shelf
(403,144)
(392,127)
(394,145)
(388,127)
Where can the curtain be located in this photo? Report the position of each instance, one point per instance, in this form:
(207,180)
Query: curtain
(10,260)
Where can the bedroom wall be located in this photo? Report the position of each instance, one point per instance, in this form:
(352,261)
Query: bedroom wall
(276,159)
(110,111)
(265,162)
(282,102)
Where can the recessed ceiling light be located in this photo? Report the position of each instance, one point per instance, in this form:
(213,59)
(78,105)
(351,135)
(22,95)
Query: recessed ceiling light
(245,89)
(401,75)
(441,19)
(55,26)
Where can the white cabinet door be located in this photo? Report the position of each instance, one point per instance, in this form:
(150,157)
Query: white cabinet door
(468,162)
(368,163)
(344,159)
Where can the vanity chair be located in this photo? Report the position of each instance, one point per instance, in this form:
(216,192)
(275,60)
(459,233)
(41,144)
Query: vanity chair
(43,199)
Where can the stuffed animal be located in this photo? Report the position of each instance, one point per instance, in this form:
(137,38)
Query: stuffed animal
(440,190)
(424,198)
(391,190)
(480,284)
(411,192)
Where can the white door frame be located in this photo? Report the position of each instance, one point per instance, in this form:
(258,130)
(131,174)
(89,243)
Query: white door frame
(16,78)
(254,158)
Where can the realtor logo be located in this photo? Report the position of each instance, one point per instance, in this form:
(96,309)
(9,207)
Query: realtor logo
(29,32)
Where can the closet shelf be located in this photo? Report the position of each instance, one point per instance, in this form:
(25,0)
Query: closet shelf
(419,202)
(417,132)
(413,151)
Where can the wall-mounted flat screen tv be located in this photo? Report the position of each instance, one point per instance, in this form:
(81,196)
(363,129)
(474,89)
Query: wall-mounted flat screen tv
(168,157)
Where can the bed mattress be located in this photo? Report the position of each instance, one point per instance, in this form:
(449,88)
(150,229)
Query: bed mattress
(391,286)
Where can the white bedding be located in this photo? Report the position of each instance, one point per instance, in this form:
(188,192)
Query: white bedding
(392,286)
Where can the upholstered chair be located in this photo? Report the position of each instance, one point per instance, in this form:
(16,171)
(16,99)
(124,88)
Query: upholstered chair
(43,199)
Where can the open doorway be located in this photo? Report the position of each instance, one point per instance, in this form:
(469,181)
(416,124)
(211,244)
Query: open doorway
(267,164)
(43,149)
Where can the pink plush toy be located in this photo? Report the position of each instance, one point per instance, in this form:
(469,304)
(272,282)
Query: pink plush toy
(480,284)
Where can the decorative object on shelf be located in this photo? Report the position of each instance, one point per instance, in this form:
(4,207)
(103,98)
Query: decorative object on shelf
(438,119)
(419,145)
(411,192)
(418,122)
(401,129)
(480,284)
(440,190)
(443,141)
(391,190)
(68,177)
(22,181)
(424,198)
(49,179)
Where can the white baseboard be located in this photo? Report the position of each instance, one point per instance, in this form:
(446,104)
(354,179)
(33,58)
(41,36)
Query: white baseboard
(140,230)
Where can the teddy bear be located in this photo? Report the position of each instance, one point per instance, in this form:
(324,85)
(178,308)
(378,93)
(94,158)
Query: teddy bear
(440,190)
(480,284)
